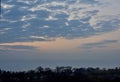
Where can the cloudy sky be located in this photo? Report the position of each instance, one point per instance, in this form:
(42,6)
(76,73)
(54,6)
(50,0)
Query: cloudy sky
(50,33)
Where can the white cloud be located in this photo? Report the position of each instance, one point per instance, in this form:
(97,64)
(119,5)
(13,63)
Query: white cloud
(108,11)
(6,6)
(28,17)
(26,25)
(66,23)
(39,7)
(28,2)
(51,18)
(5,29)
(63,13)
(2,32)
(75,10)
(45,26)
(44,38)
(38,37)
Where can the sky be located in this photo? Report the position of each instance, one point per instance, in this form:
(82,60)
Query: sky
(50,33)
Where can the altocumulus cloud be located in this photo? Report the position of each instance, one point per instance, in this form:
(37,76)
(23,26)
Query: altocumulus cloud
(53,19)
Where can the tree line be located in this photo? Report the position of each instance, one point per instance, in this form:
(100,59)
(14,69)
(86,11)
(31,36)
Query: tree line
(62,74)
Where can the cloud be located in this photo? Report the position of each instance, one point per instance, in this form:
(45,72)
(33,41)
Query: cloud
(6,6)
(42,38)
(99,44)
(20,47)
(54,19)
(5,29)
(16,47)
(28,17)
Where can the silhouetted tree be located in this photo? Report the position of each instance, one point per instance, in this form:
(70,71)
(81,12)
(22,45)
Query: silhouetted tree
(62,74)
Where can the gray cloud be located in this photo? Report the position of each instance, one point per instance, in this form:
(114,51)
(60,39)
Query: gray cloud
(100,44)
(6,47)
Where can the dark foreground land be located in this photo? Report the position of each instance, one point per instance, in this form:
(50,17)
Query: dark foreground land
(62,74)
